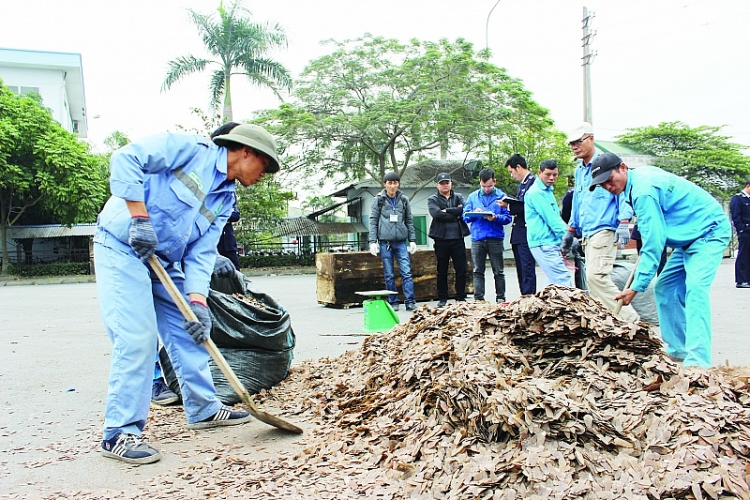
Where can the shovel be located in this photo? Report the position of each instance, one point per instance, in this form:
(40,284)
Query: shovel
(627,285)
(218,358)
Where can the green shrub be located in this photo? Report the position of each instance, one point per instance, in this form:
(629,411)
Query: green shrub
(282,260)
(67,269)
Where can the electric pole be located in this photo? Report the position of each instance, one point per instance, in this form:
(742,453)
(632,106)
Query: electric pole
(588,59)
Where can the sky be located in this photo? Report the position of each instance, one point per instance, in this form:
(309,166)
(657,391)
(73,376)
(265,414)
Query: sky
(657,60)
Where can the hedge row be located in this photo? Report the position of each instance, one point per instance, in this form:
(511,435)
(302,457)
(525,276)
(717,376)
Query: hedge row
(292,260)
(66,269)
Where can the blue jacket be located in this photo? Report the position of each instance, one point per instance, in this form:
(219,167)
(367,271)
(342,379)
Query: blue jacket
(671,211)
(481,228)
(597,210)
(543,222)
(183,181)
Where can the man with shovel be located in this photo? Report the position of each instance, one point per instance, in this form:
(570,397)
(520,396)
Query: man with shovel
(171,196)
(672,211)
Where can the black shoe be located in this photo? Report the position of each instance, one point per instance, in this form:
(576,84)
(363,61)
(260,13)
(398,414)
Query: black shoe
(129,448)
(410,307)
(442,303)
(461,300)
(161,394)
(395,306)
(743,285)
(225,416)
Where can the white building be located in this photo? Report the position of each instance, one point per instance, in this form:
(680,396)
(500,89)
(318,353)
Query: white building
(56,76)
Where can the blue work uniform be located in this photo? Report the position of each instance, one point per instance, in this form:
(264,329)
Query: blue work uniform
(544,232)
(182,179)
(673,211)
(596,210)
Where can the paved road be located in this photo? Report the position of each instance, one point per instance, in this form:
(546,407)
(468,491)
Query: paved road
(54,360)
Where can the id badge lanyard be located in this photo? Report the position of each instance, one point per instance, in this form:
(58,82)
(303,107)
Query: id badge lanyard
(394,215)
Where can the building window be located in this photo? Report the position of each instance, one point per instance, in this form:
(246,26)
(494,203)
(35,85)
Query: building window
(420,229)
(13,88)
(26,90)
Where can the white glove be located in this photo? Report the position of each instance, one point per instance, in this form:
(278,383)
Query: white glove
(374,248)
(412,247)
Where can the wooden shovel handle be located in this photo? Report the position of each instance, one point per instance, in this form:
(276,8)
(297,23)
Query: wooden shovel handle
(620,302)
(218,358)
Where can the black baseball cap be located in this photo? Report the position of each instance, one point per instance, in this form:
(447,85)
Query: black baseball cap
(443,177)
(602,167)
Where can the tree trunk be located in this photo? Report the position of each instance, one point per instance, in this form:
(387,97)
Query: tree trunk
(227,114)
(3,233)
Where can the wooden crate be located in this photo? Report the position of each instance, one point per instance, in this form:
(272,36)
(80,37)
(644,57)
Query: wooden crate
(340,275)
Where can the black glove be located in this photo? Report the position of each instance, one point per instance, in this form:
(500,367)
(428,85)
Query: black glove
(567,241)
(200,330)
(142,237)
(224,267)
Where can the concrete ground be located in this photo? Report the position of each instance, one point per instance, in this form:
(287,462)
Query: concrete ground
(54,360)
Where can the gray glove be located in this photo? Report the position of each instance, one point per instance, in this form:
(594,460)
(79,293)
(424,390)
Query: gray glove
(224,267)
(567,241)
(142,238)
(622,235)
(200,330)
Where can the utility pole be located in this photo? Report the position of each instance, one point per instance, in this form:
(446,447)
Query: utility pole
(588,59)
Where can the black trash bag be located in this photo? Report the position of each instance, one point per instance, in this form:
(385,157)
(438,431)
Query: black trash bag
(644,302)
(259,322)
(253,333)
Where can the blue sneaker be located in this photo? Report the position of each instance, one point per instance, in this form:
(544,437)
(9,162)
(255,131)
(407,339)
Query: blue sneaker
(161,394)
(129,448)
(225,416)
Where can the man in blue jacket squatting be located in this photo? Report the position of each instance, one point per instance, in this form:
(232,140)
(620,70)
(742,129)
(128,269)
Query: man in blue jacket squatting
(674,212)
(171,195)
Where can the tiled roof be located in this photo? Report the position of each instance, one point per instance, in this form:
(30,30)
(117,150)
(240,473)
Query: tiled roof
(302,226)
(50,231)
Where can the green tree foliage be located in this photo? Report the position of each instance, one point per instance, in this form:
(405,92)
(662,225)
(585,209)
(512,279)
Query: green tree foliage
(43,168)
(116,140)
(262,206)
(239,47)
(700,154)
(320,202)
(375,105)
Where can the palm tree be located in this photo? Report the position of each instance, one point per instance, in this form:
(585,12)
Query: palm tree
(239,47)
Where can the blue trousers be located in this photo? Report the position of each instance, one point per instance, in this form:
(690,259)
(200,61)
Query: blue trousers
(391,251)
(525,268)
(550,260)
(135,307)
(479,252)
(683,300)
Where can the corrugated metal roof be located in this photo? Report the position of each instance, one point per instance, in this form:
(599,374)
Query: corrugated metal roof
(426,171)
(616,148)
(302,226)
(50,231)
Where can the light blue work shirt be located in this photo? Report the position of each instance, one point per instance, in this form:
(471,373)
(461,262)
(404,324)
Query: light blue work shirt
(671,211)
(544,226)
(596,210)
(182,179)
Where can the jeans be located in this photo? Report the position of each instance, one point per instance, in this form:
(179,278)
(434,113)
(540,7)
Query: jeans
(550,260)
(445,250)
(683,296)
(479,251)
(396,250)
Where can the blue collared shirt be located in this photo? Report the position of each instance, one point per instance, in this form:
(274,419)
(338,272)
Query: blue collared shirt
(671,211)
(596,210)
(544,226)
(182,179)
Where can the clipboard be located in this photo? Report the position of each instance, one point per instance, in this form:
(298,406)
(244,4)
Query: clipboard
(475,215)
(509,199)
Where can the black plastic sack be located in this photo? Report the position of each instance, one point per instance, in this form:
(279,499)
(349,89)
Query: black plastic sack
(644,302)
(253,333)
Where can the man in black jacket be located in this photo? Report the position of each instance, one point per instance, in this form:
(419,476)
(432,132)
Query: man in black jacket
(739,207)
(448,230)
(525,263)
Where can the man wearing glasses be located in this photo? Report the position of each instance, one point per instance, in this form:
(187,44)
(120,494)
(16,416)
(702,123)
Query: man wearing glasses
(601,219)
